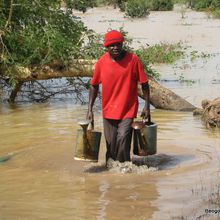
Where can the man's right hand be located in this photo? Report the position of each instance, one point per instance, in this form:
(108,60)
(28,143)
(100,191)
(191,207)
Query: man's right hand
(90,115)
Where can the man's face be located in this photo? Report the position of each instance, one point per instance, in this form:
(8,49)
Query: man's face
(115,50)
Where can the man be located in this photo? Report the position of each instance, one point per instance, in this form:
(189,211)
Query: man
(119,72)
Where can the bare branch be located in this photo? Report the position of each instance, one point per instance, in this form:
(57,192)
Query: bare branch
(10,14)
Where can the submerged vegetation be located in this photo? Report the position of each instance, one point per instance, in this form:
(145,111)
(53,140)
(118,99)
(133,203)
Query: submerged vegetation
(210,6)
(136,8)
(159,53)
(162,53)
(133,8)
(80,5)
(139,8)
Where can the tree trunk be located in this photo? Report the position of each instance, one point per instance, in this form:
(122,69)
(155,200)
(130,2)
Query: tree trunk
(15,92)
(163,98)
(160,97)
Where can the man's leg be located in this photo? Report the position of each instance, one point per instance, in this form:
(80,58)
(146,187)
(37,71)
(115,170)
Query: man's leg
(124,136)
(118,135)
(110,132)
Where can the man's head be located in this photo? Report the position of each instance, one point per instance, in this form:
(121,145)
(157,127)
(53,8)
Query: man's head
(113,37)
(113,41)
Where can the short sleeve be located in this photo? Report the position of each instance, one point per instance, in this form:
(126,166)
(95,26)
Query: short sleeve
(96,78)
(141,75)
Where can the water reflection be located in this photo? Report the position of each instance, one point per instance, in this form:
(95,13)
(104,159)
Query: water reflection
(102,201)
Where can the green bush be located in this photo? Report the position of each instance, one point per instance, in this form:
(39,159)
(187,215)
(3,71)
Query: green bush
(81,5)
(216,13)
(201,4)
(161,53)
(136,8)
(161,5)
(36,33)
(216,4)
(115,3)
(122,5)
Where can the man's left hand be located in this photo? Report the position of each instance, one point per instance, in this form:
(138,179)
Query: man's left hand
(145,114)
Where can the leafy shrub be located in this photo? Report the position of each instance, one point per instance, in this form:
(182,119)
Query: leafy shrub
(161,5)
(161,53)
(201,4)
(216,4)
(136,8)
(37,33)
(122,5)
(92,47)
(115,3)
(81,5)
(216,13)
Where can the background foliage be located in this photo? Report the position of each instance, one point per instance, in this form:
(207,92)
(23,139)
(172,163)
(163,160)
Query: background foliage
(140,8)
(38,32)
(81,5)
(161,5)
(136,8)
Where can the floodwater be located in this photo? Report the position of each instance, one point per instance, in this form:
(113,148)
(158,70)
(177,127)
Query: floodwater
(41,179)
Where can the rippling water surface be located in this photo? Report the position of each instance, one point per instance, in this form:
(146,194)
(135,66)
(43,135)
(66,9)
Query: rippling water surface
(42,179)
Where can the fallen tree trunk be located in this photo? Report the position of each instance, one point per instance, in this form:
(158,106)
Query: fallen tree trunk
(163,98)
(160,97)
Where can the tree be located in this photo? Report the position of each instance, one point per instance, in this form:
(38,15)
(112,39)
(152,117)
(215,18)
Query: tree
(160,97)
(35,33)
(43,40)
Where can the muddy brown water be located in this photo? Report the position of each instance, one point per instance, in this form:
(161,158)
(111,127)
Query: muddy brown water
(42,180)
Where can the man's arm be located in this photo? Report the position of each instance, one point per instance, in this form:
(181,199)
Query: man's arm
(93,92)
(145,114)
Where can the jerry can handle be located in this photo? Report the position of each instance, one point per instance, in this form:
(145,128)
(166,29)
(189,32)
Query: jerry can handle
(91,125)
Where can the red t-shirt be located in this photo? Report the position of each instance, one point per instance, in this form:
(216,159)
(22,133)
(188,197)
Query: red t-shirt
(119,85)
